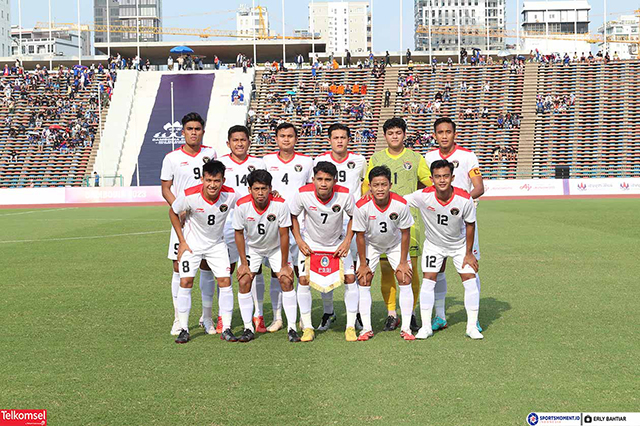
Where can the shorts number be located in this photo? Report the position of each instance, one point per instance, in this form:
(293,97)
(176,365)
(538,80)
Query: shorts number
(175,248)
(261,230)
(430,261)
(285,179)
(242,181)
(248,261)
(383,227)
(324,217)
(342,176)
(196,173)
(211,220)
(185,266)
(443,219)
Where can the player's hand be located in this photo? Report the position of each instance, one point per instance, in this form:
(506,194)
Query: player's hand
(182,216)
(476,202)
(304,248)
(404,272)
(363,273)
(471,261)
(182,247)
(343,249)
(286,271)
(275,194)
(243,270)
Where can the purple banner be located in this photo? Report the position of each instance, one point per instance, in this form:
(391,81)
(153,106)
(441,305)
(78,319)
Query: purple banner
(191,93)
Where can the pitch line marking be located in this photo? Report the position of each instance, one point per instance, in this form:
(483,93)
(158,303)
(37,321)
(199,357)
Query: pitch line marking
(38,211)
(93,237)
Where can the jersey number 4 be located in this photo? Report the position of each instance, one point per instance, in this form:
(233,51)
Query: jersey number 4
(285,179)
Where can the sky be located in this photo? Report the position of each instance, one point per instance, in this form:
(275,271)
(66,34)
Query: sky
(220,14)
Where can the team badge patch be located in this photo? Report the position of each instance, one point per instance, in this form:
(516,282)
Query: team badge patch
(298,167)
(407,165)
(251,168)
(271,217)
(393,216)
(205,160)
(336,208)
(455,163)
(224,208)
(455,211)
(351,165)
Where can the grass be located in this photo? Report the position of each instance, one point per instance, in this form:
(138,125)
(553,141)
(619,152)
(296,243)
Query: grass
(86,330)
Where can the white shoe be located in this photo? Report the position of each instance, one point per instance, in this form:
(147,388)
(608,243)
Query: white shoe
(275,326)
(473,333)
(176,329)
(424,333)
(208,326)
(201,321)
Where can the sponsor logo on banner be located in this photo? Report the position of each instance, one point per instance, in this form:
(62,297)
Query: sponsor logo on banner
(604,186)
(517,188)
(23,417)
(624,186)
(532,419)
(171,133)
(582,186)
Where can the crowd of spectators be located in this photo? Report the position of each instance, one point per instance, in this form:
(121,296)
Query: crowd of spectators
(559,104)
(509,121)
(504,153)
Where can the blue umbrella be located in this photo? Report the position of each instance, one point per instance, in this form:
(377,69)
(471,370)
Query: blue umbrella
(181,49)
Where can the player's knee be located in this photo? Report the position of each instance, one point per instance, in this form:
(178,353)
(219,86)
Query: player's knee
(303,281)
(244,284)
(224,282)
(430,276)
(175,266)
(466,277)
(286,283)
(349,279)
(186,282)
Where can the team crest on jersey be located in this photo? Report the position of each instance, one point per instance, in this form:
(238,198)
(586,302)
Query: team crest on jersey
(407,165)
(250,168)
(336,208)
(271,217)
(324,262)
(455,211)
(393,216)
(224,208)
(455,163)
(298,167)
(205,160)
(351,165)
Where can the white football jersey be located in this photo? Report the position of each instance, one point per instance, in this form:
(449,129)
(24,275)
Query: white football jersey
(323,221)
(261,229)
(382,228)
(465,162)
(185,170)
(204,224)
(444,222)
(236,174)
(290,176)
(351,171)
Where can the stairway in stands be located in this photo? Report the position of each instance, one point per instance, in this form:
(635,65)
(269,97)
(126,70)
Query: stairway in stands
(527,129)
(391,84)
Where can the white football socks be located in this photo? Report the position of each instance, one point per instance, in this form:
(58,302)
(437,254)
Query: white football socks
(327,302)
(184,307)
(364,306)
(426,301)
(275,291)
(225,306)
(478,282)
(304,302)
(175,285)
(351,303)
(440,294)
(206,291)
(257,290)
(290,308)
(406,306)
(471,301)
(245,301)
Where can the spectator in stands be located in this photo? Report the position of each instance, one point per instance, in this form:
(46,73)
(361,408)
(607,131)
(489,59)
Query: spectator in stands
(96,179)
(387,98)
(387,59)
(13,156)
(170,63)
(348,59)
(408,54)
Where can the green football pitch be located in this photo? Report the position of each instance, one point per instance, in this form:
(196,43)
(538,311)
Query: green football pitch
(86,312)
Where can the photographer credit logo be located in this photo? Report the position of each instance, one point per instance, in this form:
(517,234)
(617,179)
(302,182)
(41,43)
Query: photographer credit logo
(532,419)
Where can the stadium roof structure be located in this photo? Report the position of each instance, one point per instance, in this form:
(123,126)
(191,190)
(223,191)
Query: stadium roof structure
(555,5)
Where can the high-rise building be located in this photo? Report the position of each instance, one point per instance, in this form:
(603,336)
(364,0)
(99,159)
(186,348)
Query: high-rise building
(249,19)
(342,25)
(565,20)
(36,42)
(123,13)
(473,17)
(620,30)
(5,28)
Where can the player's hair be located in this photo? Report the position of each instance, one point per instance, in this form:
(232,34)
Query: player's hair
(286,125)
(192,116)
(441,120)
(237,129)
(395,122)
(380,171)
(326,167)
(213,168)
(259,176)
(441,164)
(339,126)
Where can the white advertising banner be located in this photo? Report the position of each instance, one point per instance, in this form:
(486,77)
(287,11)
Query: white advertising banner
(31,196)
(608,186)
(523,188)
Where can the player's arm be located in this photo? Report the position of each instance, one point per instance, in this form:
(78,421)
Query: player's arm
(295,230)
(243,268)
(424,174)
(285,269)
(404,273)
(343,248)
(178,206)
(478,184)
(469,258)
(166,191)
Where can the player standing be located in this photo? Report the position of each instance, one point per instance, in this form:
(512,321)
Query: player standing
(182,169)
(351,168)
(382,225)
(261,222)
(290,171)
(206,207)
(409,172)
(467,177)
(324,204)
(449,215)
(238,165)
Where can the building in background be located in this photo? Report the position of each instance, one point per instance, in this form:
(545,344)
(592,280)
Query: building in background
(473,16)
(123,13)
(565,19)
(5,28)
(622,29)
(344,25)
(249,19)
(36,42)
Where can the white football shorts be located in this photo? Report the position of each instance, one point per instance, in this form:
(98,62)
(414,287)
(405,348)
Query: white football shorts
(217,258)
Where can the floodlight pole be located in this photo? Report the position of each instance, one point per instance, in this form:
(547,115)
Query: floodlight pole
(284,49)
(253,25)
(313,31)
(20,25)
(138,32)
(79,37)
(50,39)
(400,32)
(108,30)
(172,120)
